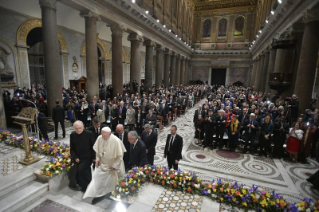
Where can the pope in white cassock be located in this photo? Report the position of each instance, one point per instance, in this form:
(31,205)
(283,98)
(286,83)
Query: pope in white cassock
(109,164)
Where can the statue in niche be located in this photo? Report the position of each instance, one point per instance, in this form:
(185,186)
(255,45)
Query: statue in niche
(6,71)
(206,28)
(239,26)
(75,66)
(222,27)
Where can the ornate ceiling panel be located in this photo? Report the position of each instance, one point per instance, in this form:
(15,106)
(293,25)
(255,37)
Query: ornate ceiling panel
(203,5)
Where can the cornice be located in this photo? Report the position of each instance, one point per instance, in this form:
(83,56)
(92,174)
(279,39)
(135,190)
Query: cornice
(223,4)
(286,14)
(48,3)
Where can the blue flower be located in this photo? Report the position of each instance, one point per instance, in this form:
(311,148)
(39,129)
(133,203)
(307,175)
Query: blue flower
(204,192)
(50,142)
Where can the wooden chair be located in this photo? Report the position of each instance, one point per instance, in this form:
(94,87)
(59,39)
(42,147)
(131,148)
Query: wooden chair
(169,115)
(160,122)
(175,113)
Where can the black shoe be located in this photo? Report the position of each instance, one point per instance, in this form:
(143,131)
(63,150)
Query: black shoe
(313,187)
(98,199)
(63,136)
(55,138)
(309,181)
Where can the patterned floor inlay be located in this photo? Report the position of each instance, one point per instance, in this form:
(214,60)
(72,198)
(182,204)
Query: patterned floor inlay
(178,201)
(51,206)
(11,164)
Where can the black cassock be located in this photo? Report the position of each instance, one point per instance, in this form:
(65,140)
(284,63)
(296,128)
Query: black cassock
(81,147)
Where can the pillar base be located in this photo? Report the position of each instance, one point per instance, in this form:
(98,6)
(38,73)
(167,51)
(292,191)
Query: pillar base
(29,161)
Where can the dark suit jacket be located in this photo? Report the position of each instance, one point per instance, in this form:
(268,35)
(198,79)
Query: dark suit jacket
(58,113)
(123,112)
(151,119)
(149,141)
(196,115)
(253,130)
(163,111)
(176,148)
(219,121)
(125,140)
(138,154)
(92,129)
(41,122)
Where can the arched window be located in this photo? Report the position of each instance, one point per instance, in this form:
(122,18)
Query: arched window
(222,27)
(239,26)
(206,28)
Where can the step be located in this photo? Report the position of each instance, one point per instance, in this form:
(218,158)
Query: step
(10,183)
(21,196)
(78,205)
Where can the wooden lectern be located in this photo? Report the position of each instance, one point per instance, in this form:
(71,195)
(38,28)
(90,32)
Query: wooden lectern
(24,118)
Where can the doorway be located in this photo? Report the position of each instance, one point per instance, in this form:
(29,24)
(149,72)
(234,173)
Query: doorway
(218,76)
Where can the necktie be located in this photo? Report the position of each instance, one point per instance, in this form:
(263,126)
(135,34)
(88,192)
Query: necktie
(251,122)
(96,130)
(170,143)
(121,110)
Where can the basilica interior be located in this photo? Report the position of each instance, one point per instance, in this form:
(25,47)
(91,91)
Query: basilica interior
(270,46)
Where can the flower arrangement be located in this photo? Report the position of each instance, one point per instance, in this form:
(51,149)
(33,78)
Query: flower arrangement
(232,194)
(59,153)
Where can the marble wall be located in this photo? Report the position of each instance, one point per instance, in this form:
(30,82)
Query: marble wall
(200,73)
(238,74)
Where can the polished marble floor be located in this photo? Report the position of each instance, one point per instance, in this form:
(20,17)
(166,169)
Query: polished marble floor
(285,178)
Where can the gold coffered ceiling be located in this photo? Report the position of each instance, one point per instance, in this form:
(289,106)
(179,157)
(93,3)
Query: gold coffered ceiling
(203,5)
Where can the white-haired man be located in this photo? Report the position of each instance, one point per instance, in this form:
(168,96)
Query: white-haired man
(109,164)
(81,147)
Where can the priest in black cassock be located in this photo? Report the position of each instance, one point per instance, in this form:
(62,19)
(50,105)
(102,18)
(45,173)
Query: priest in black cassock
(81,147)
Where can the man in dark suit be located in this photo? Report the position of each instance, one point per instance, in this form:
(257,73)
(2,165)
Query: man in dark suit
(171,103)
(243,117)
(220,128)
(198,112)
(281,129)
(58,116)
(251,127)
(137,150)
(122,135)
(96,128)
(105,109)
(149,137)
(173,148)
(163,110)
(42,125)
(150,118)
(94,106)
(121,112)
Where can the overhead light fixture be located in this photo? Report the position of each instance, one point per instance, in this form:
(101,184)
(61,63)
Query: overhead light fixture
(257,36)
(180,38)
(164,25)
(169,30)
(272,12)
(146,11)
(259,31)
(157,21)
(175,35)
(279,1)
(266,21)
(133,1)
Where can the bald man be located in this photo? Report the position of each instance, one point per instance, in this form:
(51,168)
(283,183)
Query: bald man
(81,147)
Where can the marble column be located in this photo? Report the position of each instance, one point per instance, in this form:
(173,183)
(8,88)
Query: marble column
(250,73)
(167,65)
(271,67)
(135,65)
(256,65)
(52,60)
(117,61)
(258,73)
(3,123)
(186,81)
(159,66)
(182,81)
(92,66)
(173,69)
(308,59)
(280,61)
(263,79)
(148,63)
(178,71)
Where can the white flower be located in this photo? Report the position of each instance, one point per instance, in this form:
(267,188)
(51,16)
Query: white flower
(127,192)
(299,209)
(47,169)
(183,185)
(69,160)
(134,182)
(126,184)
(308,210)
(184,181)
(50,166)
(214,195)
(57,172)
(179,183)
(209,191)
(60,160)
(175,173)
(120,189)
(168,178)
(257,196)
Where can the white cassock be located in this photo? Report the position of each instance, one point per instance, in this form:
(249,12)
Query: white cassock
(110,154)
